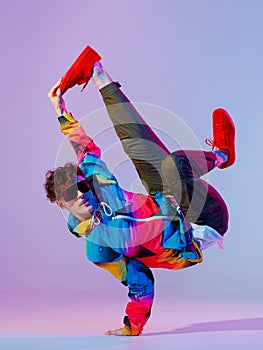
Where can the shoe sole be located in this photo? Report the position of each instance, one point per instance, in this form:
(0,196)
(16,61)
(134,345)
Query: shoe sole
(220,115)
(88,51)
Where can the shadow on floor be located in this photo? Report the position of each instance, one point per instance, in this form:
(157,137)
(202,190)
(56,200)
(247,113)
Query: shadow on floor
(250,324)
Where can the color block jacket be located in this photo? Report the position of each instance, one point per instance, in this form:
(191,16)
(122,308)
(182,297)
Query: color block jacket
(129,233)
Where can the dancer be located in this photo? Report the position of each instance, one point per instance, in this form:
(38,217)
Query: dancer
(127,233)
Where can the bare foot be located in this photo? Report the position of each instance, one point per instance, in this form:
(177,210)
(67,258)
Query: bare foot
(118,332)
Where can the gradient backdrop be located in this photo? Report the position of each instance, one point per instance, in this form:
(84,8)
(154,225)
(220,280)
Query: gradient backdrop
(188,57)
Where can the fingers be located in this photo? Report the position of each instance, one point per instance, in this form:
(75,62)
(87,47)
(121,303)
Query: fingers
(117,332)
(55,97)
(53,91)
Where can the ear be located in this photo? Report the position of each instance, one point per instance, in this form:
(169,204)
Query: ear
(60,204)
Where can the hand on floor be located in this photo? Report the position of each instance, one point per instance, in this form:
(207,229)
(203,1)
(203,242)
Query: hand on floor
(118,332)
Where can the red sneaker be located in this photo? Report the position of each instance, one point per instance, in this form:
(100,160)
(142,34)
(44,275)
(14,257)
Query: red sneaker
(224,135)
(80,71)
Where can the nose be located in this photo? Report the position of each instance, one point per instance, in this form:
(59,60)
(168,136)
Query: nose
(80,195)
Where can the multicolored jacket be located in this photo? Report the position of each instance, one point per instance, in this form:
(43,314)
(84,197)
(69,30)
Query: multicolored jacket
(129,233)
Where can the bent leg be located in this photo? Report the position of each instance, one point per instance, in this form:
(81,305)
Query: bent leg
(199,201)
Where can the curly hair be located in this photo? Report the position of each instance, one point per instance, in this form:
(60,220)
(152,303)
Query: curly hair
(58,180)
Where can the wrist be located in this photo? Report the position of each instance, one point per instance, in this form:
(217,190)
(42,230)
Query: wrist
(59,111)
(130,331)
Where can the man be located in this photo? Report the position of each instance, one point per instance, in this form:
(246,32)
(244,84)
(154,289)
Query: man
(128,233)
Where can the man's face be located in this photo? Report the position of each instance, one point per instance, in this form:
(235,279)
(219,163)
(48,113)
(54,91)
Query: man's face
(78,207)
(79,200)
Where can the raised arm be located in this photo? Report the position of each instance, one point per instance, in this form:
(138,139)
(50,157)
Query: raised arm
(80,141)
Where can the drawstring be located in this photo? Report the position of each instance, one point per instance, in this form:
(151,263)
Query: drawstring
(151,218)
(106,208)
(95,220)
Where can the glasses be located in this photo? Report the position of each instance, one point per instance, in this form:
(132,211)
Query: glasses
(72,192)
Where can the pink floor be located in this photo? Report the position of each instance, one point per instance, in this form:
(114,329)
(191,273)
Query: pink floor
(68,322)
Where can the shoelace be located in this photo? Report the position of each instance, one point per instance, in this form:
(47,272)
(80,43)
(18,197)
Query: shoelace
(219,131)
(210,143)
(220,141)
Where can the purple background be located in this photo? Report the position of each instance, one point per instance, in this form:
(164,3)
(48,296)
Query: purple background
(186,56)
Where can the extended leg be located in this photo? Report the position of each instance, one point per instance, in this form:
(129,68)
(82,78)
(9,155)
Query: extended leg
(139,141)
